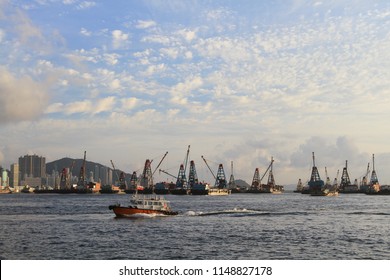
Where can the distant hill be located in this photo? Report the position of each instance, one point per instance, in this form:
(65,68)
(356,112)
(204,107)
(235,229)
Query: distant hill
(242,183)
(66,162)
(59,164)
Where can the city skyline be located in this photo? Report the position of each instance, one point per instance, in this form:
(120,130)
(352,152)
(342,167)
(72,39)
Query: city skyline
(238,81)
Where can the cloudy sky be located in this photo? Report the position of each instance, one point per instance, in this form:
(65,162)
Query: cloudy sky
(239,81)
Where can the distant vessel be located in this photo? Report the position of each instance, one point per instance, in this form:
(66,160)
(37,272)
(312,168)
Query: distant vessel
(299,188)
(270,187)
(345,184)
(143,204)
(161,188)
(5,190)
(317,186)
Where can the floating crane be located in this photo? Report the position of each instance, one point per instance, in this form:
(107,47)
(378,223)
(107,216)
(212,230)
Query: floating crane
(220,179)
(121,177)
(232,182)
(181,180)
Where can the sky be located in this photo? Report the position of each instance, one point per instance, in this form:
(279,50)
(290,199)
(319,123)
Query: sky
(240,81)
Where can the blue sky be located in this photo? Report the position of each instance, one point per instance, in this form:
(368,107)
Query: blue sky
(239,81)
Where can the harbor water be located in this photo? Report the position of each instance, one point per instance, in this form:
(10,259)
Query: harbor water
(287,226)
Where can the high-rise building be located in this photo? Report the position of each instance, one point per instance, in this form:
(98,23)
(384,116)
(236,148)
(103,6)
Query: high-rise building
(14,176)
(109,176)
(32,166)
(103,175)
(4,178)
(96,174)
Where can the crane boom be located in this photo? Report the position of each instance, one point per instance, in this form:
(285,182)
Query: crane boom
(116,172)
(159,163)
(269,166)
(209,168)
(163,171)
(185,165)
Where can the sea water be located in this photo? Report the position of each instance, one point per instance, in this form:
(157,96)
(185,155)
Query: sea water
(286,226)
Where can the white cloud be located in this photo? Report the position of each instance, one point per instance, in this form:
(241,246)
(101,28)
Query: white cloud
(2,35)
(120,39)
(157,38)
(143,24)
(86,5)
(85,32)
(21,98)
(188,35)
(104,105)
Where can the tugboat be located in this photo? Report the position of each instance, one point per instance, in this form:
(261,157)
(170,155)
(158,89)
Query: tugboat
(143,204)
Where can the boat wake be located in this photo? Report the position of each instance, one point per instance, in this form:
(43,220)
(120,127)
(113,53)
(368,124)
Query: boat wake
(142,216)
(231,212)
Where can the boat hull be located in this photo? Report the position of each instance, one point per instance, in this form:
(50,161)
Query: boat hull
(216,191)
(121,211)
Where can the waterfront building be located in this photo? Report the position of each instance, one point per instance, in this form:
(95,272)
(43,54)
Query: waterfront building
(32,166)
(32,169)
(4,178)
(14,176)
(103,175)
